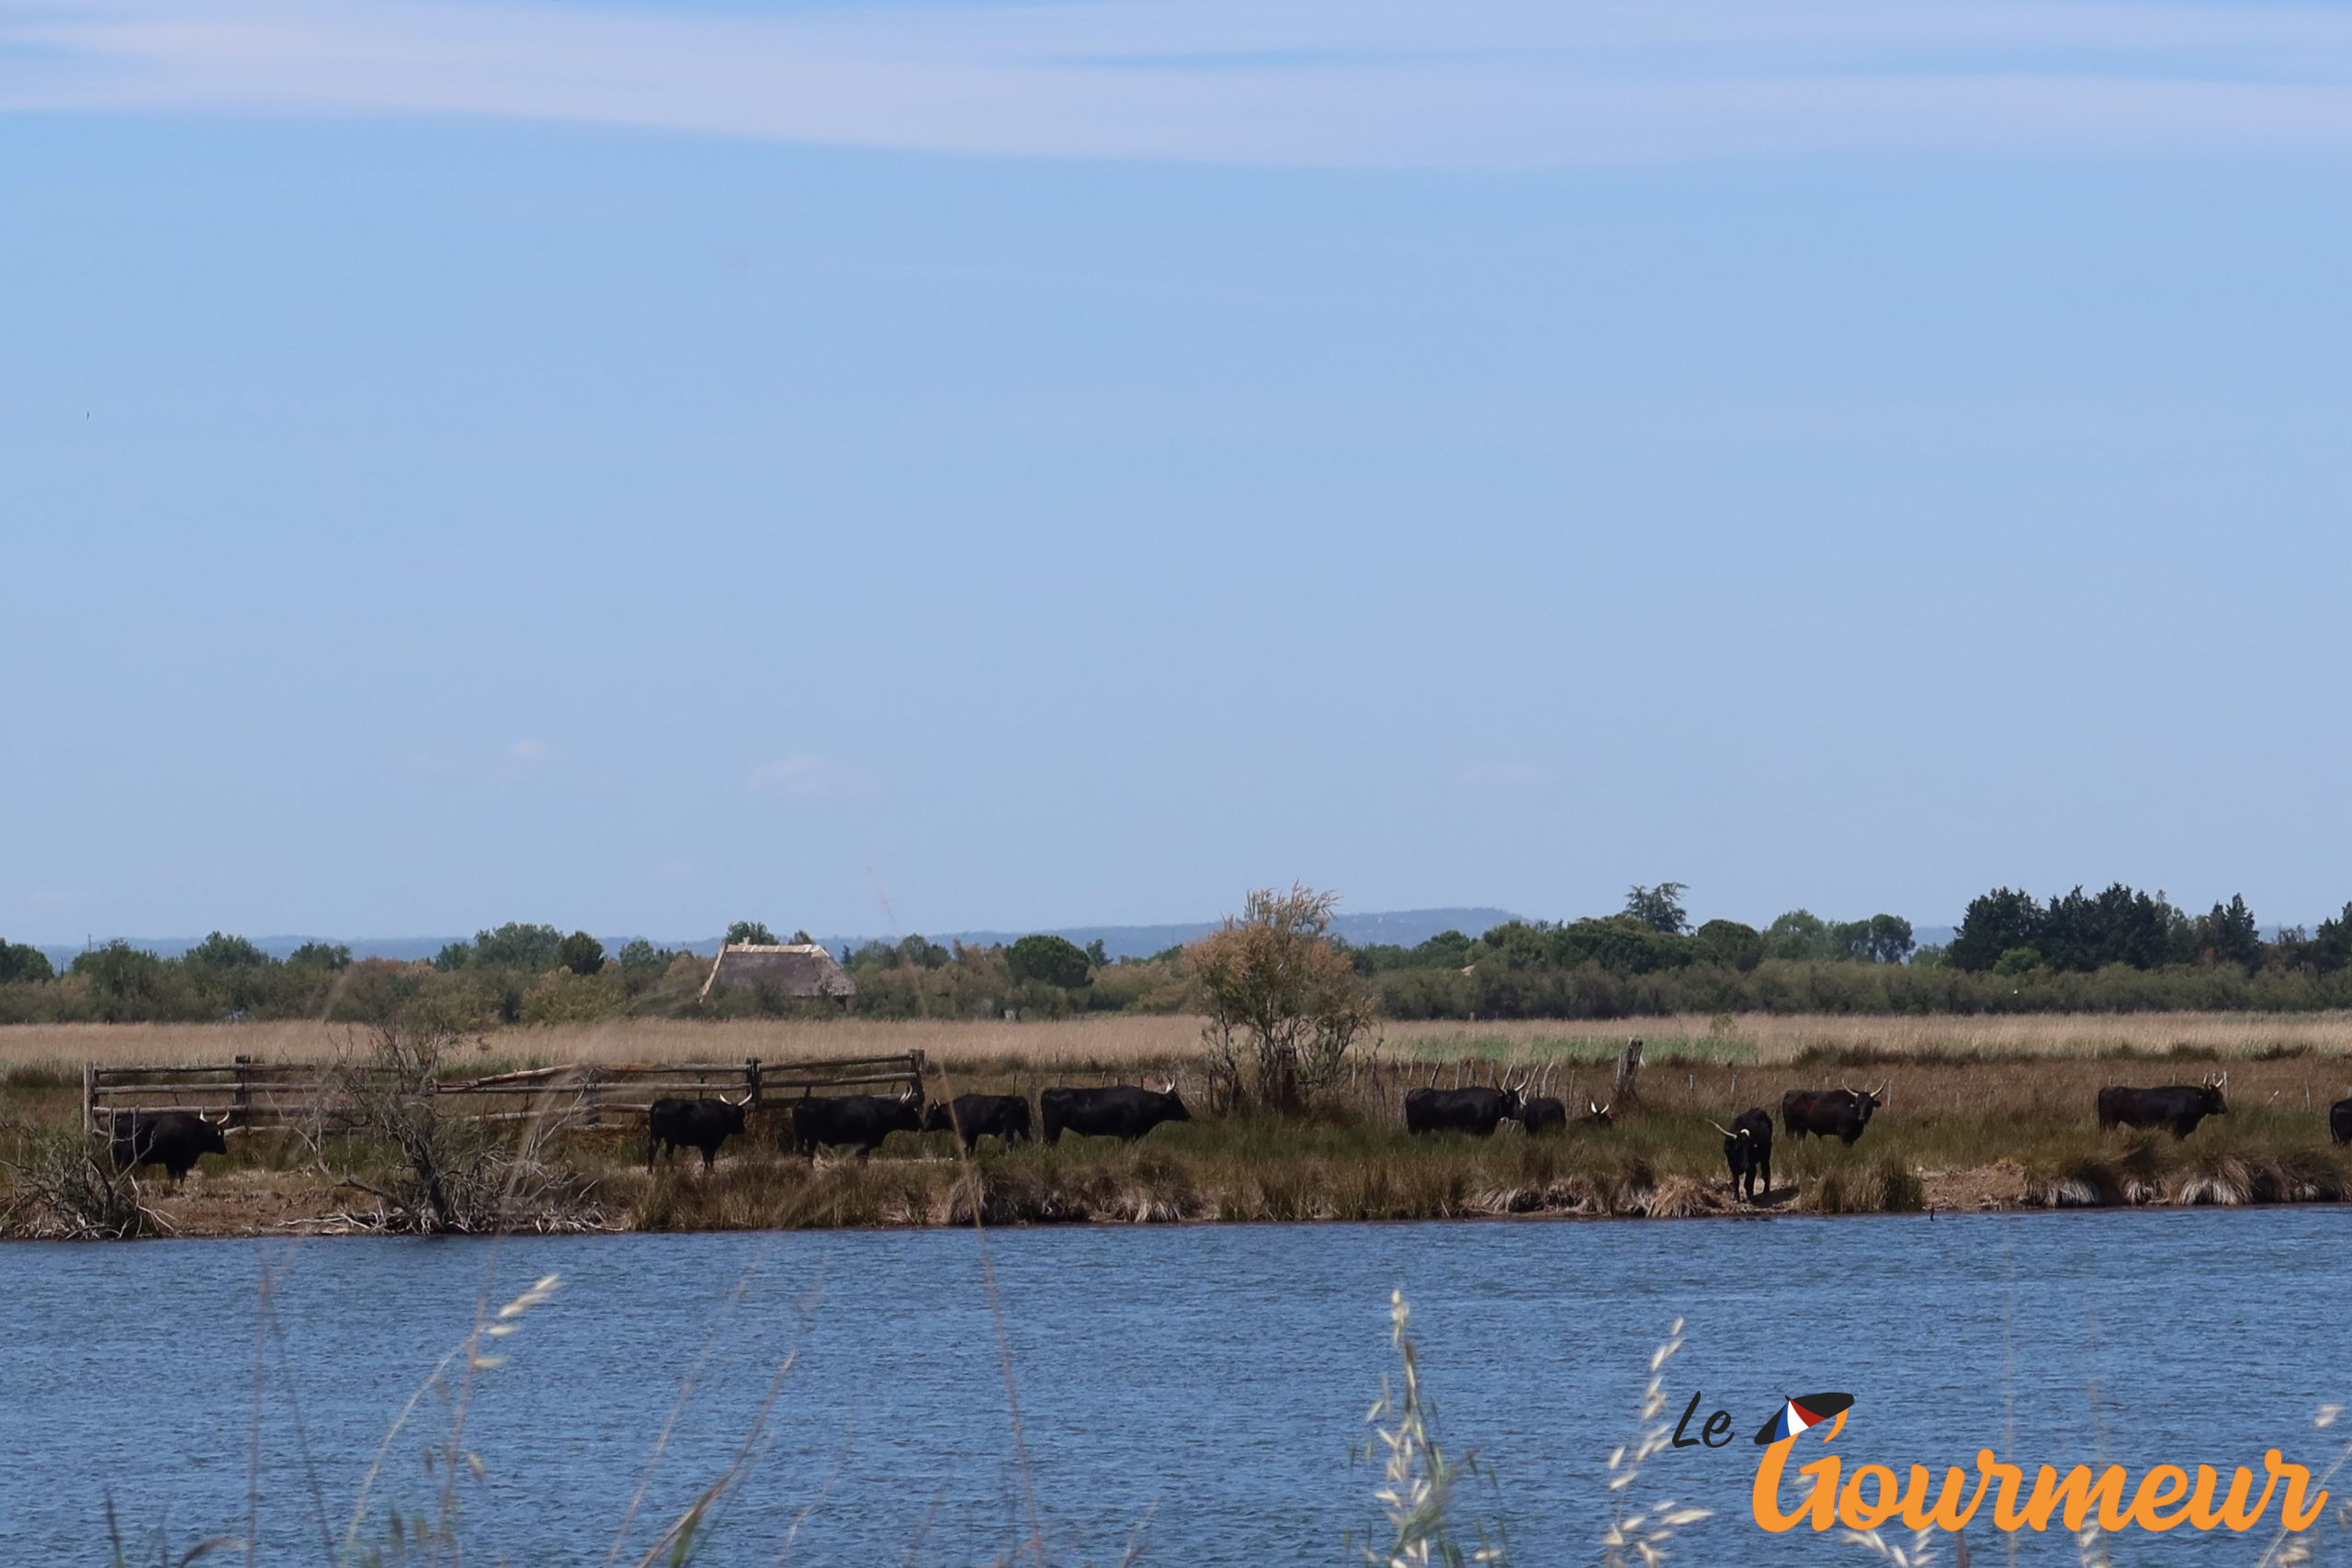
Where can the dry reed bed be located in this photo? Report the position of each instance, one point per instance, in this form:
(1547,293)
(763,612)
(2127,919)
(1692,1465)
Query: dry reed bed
(1955,1133)
(1145,1041)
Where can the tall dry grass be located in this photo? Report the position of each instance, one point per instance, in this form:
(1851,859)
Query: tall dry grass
(1139,1040)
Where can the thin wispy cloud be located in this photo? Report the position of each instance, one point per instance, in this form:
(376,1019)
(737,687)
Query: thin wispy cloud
(1479,82)
(812,777)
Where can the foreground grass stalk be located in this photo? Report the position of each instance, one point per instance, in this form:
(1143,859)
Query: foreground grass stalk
(1418,1480)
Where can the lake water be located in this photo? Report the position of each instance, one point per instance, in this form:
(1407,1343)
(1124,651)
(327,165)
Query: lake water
(1196,1391)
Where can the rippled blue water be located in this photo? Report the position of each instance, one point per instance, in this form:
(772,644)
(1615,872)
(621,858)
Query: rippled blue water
(1197,1390)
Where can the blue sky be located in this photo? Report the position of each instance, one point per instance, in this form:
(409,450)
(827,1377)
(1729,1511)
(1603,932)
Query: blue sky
(887,468)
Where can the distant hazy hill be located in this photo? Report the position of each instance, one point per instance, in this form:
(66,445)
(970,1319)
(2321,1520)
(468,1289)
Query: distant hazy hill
(1404,927)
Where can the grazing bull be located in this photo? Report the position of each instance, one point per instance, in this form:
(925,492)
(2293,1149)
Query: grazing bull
(1597,1115)
(972,1117)
(1747,1150)
(1477,1112)
(675,1124)
(1839,1114)
(860,1120)
(2177,1106)
(173,1139)
(1119,1111)
(1540,1113)
(2339,1121)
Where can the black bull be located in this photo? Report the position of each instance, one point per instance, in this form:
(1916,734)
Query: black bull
(862,1121)
(1747,1150)
(1474,1111)
(2339,1121)
(1120,1111)
(173,1139)
(1839,1114)
(972,1117)
(673,1125)
(2177,1106)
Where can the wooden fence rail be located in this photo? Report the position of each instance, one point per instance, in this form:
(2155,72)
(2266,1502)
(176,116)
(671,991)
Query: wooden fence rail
(252,1094)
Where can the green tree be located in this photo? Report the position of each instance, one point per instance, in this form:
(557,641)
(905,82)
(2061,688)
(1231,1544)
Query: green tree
(581,953)
(2331,946)
(639,957)
(1996,923)
(128,984)
(1057,961)
(454,956)
(2229,935)
(219,951)
(517,945)
(1799,936)
(750,933)
(1729,944)
(1660,908)
(329,956)
(20,961)
(1889,939)
(1097,955)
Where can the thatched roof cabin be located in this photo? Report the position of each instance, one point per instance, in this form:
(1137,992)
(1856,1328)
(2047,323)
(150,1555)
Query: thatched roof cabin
(802,971)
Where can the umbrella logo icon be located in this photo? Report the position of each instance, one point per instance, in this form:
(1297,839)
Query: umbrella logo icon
(1802,1413)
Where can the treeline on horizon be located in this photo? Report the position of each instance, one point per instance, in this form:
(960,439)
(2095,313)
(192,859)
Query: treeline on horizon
(2117,951)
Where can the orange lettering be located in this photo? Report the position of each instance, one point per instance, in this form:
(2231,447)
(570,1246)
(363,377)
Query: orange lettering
(2006,1517)
(2236,1515)
(1821,1503)
(2075,1495)
(1947,1515)
(1857,1515)
(2166,1485)
(2292,1513)
(1764,1498)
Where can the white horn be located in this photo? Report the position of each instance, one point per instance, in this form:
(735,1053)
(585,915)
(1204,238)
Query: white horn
(1721,1128)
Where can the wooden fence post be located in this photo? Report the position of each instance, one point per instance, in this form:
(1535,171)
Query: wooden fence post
(915,1070)
(751,1075)
(89,1097)
(241,1103)
(1629,1068)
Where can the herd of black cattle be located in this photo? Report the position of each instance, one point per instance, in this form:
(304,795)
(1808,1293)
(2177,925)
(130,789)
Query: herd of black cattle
(175,1140)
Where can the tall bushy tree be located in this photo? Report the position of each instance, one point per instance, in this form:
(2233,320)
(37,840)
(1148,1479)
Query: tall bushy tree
(581,953)
(1284,1004)
(1799,936)
(220,951)
(1729,944)
(1660,908)
(750,933)
(517,945)
(2000,922)
(2331,946)
(22,962)
(1055,961)
(2229,934)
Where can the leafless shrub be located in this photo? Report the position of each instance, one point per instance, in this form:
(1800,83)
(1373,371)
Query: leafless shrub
(63,1187)
(449,1173)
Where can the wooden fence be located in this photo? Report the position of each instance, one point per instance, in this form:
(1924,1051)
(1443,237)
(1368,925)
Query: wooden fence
(255,1094)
